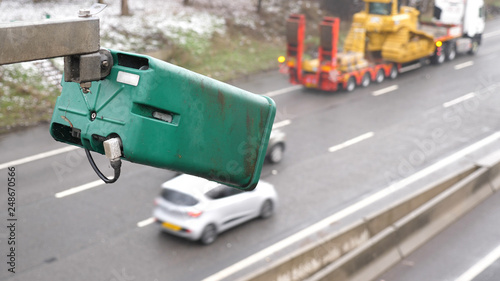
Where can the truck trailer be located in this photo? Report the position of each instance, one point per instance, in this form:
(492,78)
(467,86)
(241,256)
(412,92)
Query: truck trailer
(383,38)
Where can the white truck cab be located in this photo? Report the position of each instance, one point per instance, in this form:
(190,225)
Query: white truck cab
(470,14)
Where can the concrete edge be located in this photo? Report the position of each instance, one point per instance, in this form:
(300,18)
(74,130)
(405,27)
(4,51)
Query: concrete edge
(417,227)
(424,223)
(408,233)
(491,162)
(372,257)
(378,221)
(314,256)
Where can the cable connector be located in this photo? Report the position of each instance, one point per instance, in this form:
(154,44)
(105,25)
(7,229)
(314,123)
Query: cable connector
(113,151)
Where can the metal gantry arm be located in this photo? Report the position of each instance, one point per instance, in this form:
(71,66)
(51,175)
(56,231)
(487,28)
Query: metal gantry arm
(77,40)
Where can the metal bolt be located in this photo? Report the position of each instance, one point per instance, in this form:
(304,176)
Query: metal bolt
(84,13)
(105,63)
(93,115)
(85,86)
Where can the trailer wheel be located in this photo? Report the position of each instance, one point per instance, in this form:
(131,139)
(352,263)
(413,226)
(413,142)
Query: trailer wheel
(394,72)
(451,52)
(438,59)
(474,48)
(379,78)
(365,81)
(351,84)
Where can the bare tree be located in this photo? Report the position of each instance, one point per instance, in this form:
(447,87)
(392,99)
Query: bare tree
(125,10)
(185,2)
(259,6)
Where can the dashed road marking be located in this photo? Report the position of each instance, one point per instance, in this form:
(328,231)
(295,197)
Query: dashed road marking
(385,90)
(282,124)
(80,188)
(282,91)
(351,142)
(491,34)
(459,100)
(464,65)
(37,157)
(146,222)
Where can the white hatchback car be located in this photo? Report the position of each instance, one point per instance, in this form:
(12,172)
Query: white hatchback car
(199,209)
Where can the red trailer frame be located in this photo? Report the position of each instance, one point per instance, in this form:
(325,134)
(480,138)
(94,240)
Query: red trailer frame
(328,77)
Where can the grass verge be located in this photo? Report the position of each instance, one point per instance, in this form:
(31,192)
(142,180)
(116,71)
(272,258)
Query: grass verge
(25,99)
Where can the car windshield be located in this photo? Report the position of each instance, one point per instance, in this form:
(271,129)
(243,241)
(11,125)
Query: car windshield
(178,198)
(380,9)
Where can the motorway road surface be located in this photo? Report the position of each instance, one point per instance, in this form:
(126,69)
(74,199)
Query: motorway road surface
(342,147)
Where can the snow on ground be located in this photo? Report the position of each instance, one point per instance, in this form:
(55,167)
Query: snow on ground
(152,22)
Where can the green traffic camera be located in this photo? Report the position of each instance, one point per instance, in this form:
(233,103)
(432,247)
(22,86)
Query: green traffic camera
(168,117)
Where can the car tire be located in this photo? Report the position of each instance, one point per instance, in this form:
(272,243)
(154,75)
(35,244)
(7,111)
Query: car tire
(267,209)
(208,235)
(276,153)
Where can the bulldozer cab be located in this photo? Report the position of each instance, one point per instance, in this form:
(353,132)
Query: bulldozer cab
(382,7)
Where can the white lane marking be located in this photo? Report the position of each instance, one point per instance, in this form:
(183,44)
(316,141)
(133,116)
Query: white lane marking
(79,188)
(261,255)
(385,90)
(282,91)
(146,222)
(282,124)
(491,34)
(480,266)
(459,100)
(464,65)
(351,142)
(37,157)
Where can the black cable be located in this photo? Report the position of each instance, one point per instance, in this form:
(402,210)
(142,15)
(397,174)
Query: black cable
(116,164)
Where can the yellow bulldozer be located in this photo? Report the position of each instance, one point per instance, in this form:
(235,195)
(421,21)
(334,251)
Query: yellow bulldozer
(387,30)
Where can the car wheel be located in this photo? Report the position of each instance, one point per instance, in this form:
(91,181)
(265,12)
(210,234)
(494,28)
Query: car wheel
(276,153)
(208,235)
(380,76)
(365,82)
(267,209)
